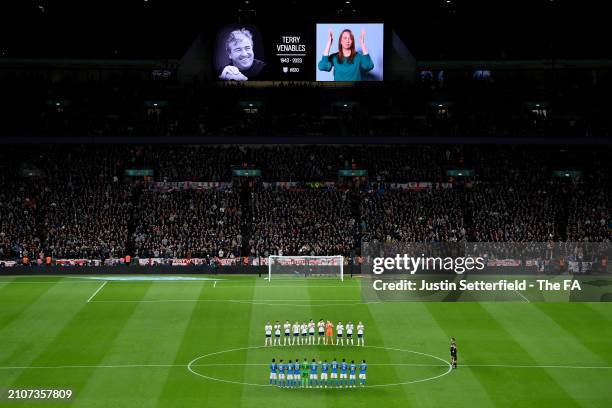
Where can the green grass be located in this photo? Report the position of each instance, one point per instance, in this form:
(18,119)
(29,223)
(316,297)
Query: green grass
(130,346)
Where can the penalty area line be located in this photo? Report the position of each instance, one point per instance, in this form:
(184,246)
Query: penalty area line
(97,290)
(235,301)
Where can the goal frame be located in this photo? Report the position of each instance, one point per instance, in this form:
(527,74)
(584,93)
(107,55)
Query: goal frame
(272,257)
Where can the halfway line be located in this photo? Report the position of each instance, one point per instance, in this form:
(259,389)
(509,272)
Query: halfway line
(266,364)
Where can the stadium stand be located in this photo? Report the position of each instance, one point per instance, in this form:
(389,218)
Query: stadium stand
(78,202)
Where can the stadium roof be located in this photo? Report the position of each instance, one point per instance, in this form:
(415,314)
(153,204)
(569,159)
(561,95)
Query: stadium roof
(432,29)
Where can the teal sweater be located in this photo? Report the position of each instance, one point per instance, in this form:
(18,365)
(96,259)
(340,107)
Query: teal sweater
(345,71)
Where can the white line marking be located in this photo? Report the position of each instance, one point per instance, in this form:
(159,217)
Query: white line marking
(534,366)
(238,301)
(446,364)
(521,295)
(300,304)
(300,279)
(230,282)
(266,364)
(292,286)
(272,302)
(268,302)
(428,365)
(183,365)
(50,281)
(96,292)
(224,285)
(94,366)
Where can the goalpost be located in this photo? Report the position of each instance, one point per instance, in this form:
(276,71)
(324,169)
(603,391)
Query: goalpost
(325,266)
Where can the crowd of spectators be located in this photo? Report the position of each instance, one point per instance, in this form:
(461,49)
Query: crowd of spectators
(77,202)
(186,224)
(413,216)
(320,163)
(18,232)
(512,212)
(85,220)
(590,213)
(303,222)
(291,163)
(191,162)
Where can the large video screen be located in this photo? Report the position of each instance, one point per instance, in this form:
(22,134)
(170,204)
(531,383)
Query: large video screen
(350,52)
(315,52)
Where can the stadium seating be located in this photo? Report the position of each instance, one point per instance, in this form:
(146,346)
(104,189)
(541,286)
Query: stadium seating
(77,202)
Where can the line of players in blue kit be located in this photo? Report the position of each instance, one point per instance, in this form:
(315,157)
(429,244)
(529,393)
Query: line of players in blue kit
(305,374)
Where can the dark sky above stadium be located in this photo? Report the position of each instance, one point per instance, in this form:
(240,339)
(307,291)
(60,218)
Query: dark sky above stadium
(433,29)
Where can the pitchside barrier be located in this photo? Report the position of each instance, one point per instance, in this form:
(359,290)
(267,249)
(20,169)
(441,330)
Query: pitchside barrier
(540,258)
(349,270)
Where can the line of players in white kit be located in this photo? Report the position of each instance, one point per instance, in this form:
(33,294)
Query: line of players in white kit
(305,374)
(304,333)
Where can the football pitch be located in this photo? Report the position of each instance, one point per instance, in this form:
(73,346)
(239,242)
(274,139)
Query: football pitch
(145,342)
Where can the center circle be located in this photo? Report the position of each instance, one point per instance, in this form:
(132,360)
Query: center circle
(192,363)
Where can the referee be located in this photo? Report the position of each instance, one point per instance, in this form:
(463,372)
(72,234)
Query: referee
(453,352)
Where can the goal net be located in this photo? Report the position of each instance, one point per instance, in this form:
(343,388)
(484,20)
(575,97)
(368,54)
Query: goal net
(306,266)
